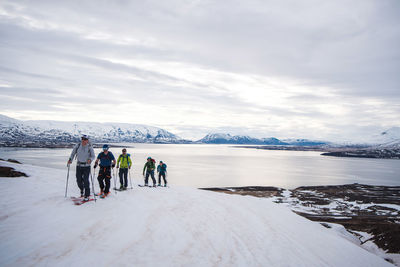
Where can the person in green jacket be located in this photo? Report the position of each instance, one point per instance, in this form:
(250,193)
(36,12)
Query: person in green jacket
(124,163)
(149,167)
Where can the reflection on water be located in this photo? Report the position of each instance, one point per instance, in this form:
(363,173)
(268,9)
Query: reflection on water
(222,165)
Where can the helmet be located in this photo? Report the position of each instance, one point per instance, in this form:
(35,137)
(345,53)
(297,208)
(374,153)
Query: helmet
(148,158)
(105,147)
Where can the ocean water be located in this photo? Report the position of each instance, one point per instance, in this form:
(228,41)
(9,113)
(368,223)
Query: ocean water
(226,165)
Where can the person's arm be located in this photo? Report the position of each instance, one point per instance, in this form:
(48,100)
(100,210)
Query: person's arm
(129,162)
(144,168)
(118,161)
(92,156)
(73,153)
(97,161)
(158,168)
(112,160)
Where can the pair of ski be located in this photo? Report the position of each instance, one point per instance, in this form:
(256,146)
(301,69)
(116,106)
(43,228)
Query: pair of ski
(141,185)
(80,200)
(119,189)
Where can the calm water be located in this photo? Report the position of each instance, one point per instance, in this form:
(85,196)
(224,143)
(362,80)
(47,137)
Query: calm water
(223,165)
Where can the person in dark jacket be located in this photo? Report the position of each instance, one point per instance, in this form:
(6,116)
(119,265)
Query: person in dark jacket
(149,167)
(162,171)
(107,161)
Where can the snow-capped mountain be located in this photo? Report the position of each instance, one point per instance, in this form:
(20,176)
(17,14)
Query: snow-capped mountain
(221,138)
(304,142)
(12,130)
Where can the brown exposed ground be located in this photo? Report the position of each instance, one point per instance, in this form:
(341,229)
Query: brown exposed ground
(11,172)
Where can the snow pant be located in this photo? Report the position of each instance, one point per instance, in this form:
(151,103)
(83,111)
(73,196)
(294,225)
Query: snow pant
(163,176)
(82,179)
(104,176)
(123,177)
(146,180)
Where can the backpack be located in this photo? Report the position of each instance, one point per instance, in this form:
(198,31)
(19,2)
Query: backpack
(79,145)
(128,156)
(103,155)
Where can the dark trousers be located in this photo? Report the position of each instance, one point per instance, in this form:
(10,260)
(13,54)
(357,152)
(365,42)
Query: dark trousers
(123,177)
(163,176)
(82,179)
(104,176)
(146,180)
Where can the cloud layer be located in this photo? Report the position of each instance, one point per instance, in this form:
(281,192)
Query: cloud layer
(315,69)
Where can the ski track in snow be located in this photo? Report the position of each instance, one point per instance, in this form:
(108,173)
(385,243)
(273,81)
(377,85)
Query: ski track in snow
(177,226)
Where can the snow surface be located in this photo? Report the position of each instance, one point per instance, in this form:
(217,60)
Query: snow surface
(174,226)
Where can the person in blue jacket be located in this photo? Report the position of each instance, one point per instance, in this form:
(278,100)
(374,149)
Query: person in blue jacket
(107,161)
(162,171)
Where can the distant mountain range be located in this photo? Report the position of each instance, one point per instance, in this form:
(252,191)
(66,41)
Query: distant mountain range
(55,132)
(58,133)
(221,138)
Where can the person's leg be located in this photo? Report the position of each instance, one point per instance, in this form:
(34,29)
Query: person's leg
(125,173)
(153,178)
(146,180)
(159,178)
(107,180)
(165,179)
(79,179)
(86,183)
(121,181)
(100,178)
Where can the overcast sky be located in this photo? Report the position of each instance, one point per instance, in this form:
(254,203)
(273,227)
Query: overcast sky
(311,69)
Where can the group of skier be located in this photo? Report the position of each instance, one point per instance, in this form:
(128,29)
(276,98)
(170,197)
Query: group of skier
(84,154)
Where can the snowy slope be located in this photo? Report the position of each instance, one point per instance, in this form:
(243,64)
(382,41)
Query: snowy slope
(158,227)
(59,131)
(388,138)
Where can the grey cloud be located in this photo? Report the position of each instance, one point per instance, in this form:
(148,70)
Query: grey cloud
(349,47)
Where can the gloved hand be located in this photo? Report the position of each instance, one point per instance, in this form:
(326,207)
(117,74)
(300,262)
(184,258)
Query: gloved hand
(113,166)
(95,165)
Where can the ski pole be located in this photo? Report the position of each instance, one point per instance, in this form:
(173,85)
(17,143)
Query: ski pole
(115,183)
(66,186)
(91,176)
(130,178)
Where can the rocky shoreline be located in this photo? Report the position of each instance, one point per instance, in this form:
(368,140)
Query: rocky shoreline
(367,153)
(371,213)
(345,151)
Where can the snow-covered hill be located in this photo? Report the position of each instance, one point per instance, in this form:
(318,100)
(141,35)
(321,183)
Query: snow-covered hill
(159,227)
(12,130)
(222,138)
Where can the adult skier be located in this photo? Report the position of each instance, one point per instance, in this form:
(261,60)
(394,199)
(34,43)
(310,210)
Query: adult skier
(149,167)
(124,163)
(84,154)
(162,171)
(107,161)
